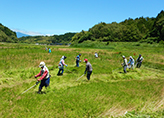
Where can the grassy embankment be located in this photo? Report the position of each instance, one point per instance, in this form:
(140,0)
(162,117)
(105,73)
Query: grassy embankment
(109,92)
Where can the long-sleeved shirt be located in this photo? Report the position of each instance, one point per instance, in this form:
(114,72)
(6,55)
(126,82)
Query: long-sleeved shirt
(49,50)
(88,67)
(61,63)
(96,55)
(44,73)
(131,61)
(78,58)
(125,62)
(140,59)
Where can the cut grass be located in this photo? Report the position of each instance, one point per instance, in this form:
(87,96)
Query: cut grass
(108,93)
(84,100)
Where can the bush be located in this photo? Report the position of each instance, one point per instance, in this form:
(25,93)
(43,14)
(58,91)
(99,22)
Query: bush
(93,44)
(161,42)
(151,40)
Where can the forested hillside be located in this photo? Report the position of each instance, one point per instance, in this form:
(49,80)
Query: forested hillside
(55,39)
(6,35)
(131,30)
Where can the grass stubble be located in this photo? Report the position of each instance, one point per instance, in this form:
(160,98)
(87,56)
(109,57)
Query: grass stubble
(139,93)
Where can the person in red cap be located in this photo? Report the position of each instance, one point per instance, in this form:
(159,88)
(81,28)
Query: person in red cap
(88,69)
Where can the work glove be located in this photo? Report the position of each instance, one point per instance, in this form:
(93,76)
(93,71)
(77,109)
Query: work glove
(35,76)
(80,60)
(66,65)
(37,82)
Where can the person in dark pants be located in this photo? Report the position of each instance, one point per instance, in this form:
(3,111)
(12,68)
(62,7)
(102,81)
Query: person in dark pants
(88,69)
(139,61)
(124,64)
(78,60)
(45,77)
(61,65)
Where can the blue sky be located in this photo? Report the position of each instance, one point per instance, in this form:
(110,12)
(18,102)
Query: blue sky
(49,17)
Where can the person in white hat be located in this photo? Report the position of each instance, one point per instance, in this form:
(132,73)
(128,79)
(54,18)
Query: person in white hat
(131,62)
(45,77)
(61,65)
(96,54)
(124,64)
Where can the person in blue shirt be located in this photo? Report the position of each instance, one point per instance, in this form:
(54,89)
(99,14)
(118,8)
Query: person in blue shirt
(78,60)
(131,62)
(49,50)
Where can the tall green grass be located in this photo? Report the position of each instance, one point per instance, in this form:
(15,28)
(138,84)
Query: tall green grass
(109,93)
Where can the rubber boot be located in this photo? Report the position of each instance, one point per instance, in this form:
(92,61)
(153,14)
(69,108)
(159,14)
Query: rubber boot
(39,91)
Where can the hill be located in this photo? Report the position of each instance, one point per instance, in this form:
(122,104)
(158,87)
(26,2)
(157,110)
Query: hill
(55,39)
(7,35)
(131,30)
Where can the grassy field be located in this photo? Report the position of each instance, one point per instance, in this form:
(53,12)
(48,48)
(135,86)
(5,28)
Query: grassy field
(109,93)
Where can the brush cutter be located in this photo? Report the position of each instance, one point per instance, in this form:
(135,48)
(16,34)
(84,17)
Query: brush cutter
(31,87)
(116,69)
(80,77)
(67,70)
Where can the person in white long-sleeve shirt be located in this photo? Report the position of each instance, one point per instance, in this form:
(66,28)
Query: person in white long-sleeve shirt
(131,62)
(61,65)
(124,64)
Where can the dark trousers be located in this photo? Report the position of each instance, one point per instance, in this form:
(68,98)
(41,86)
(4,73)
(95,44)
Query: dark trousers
(77,63)
(138,64)
(44,82)
(60,71)
(89,74)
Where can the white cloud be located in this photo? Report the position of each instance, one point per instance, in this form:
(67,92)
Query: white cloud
(49,34)
(28,32)
(53,32)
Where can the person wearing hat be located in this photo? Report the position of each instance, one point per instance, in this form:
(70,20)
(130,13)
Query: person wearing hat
(139,61)
(88,69)
(96,54)
(124,64)
(61,65)
(78,60)
(131,62)
(45,77)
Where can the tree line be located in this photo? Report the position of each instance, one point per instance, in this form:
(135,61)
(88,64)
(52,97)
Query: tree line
(55,39)
(130,30)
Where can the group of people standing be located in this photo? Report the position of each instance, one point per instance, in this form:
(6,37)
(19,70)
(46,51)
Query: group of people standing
(45,76)
(131,62)
(88,68)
